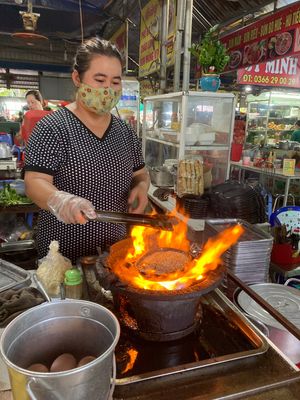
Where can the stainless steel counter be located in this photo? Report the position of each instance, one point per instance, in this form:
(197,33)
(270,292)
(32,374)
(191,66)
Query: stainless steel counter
(244,379)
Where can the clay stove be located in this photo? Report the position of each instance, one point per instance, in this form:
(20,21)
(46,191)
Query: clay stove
(157,288)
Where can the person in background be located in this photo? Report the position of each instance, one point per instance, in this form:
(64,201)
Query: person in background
(296,134)
(34,102)
(81,157)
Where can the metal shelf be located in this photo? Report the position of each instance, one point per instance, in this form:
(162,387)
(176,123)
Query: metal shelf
(163,141)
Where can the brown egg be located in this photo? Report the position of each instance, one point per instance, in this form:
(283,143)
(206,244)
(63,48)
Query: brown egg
(64,362)
(86,360)
(38,368)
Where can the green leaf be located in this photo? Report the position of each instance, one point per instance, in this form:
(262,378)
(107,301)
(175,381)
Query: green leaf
(210,52)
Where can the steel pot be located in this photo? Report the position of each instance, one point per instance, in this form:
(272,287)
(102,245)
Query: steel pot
(5,150)
(292,145)
(161,177)
(284,145)
(42,333)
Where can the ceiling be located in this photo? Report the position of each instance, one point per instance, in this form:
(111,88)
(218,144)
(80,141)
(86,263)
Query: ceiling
(60,22)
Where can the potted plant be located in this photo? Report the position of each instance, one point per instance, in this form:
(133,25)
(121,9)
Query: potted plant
(212,57)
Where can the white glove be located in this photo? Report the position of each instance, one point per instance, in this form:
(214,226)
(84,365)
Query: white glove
(70,209)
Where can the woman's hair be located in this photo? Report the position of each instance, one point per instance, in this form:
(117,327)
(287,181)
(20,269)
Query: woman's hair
(91,47)
(36,94)
(298,122)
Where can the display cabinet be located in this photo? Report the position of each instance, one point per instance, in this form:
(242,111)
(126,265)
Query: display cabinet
(271,117)
(189,125)
(128,107)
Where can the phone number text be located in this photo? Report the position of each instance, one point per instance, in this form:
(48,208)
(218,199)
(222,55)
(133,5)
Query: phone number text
(270,80)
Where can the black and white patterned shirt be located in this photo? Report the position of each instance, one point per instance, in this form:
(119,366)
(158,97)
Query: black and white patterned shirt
(97,169)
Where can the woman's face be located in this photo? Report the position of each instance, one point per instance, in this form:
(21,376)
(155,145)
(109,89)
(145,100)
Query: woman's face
(33,103)
(103,72)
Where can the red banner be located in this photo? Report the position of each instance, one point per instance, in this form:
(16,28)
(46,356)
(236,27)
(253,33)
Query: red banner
(284,72)
(269,38)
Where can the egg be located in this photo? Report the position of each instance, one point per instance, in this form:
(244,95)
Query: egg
(38,368)
(64,362)
(86,360)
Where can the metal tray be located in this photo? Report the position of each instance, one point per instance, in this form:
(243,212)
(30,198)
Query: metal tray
(252,233)
(256,341)
(20,245)
(12,276)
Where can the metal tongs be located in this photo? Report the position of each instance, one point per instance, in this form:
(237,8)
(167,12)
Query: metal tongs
(158,221)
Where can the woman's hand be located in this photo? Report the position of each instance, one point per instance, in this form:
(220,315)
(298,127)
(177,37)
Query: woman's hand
(70,209)
(138,196)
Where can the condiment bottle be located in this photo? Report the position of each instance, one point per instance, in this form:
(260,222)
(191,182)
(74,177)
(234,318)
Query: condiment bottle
(73,283)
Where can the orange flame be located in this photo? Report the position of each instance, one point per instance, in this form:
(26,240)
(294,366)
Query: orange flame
(132,357)
(145,239)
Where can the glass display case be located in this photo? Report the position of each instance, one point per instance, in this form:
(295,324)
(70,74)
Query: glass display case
(271,117)
(128,107)
(189,125)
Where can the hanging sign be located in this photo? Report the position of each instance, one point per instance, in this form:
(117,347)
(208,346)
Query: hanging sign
(120,39)
(272,37)
(283,72)
(149,52)
(149,38)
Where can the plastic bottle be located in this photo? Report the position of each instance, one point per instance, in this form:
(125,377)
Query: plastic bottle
(125,98)
(73,283)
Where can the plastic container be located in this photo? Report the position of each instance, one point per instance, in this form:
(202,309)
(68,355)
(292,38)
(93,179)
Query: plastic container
(6,138)
(73,284)
(282,254)
(236,152)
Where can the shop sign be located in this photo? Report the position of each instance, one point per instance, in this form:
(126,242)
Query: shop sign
(120,39)
(149,52)
(281,72)
(272,37)
(289,166)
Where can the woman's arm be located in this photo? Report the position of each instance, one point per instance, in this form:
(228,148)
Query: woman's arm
(39,187)
(67,207)
(139,191)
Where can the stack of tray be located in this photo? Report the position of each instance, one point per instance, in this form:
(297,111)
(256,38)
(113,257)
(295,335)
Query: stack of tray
(236,200)
(249,258)
(12,276)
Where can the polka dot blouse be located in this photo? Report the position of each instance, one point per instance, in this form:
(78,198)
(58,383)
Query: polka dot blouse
(97,169)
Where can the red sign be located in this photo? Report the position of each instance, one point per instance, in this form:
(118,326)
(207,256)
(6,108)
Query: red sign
(272,37)
(283,72)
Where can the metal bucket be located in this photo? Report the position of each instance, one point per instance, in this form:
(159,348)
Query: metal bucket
(44,332)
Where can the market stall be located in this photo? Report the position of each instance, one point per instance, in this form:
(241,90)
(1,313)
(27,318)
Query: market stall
(188,304)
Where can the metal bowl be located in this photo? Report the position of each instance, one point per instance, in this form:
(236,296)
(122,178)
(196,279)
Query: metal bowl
(161,177)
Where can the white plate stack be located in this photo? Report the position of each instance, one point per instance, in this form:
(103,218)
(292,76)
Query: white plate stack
(249,258)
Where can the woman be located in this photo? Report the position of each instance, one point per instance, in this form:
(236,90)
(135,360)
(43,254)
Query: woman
(82,157)
(34,100)
(35,103)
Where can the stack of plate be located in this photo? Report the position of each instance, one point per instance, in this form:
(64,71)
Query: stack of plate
(249,258)
(235,200)
(193,206)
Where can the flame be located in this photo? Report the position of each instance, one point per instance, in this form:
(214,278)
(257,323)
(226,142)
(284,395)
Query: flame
(132,357)
(145,239)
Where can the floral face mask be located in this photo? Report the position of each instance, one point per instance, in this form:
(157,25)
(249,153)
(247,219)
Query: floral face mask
(98,100)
